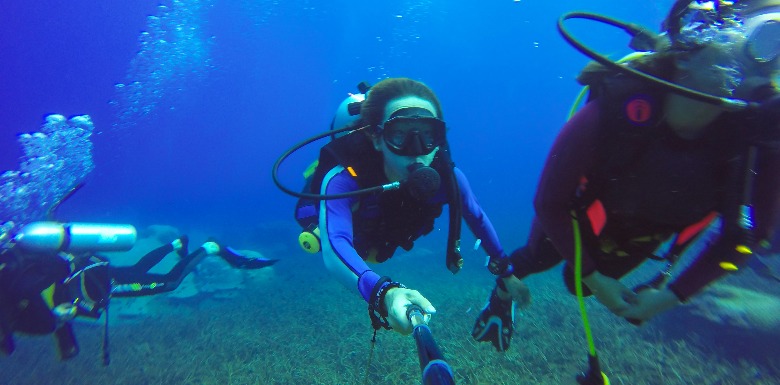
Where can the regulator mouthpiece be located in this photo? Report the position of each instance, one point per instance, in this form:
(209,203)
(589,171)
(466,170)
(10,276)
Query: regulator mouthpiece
(423,181)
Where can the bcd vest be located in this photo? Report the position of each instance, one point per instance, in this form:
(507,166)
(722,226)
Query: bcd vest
(647,178)
(382,222)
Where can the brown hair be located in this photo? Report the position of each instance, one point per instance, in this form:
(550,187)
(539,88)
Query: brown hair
(660,64)
(372,111)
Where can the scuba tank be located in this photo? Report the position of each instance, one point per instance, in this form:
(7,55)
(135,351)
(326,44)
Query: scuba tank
(347,113)
(309,239)
(75,237)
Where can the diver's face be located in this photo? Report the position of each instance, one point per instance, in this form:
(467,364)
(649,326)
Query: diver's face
(717,69)
(746,49)
(396,165)
(763,32)
(762,50)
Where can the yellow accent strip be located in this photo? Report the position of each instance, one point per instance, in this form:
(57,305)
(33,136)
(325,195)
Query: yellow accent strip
(48,296)
(578,101)
(83,284)
(371,257)
(310,170)
(351,171)
(742,249)
(728,266)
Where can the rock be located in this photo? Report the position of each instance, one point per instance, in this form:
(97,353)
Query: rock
(740,307)
(162,233)
(213,274)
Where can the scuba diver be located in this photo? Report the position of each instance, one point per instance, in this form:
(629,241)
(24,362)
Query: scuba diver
(645,170)
(380,187)
(50,274)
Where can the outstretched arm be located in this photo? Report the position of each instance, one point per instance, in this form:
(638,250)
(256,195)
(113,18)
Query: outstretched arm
(477,220)
(338,251)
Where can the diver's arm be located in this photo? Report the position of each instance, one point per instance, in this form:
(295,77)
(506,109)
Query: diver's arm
(766,204)
(477,220)
(335,223)
(572,156)
(703,270)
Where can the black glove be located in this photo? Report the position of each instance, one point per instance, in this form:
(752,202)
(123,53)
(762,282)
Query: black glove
(501,267)
(495,323)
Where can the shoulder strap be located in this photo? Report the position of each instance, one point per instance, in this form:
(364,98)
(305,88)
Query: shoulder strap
(631,116)
(354,151)
(627,101)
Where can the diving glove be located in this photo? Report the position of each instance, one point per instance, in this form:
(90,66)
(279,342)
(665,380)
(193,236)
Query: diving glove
(495,323)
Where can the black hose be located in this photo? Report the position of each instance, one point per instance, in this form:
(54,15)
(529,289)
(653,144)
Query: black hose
(275,171)
(726,103)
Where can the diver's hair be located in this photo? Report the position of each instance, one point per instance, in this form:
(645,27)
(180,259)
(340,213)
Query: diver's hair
(754,6)
(660,64)
(372,111)
(741,8)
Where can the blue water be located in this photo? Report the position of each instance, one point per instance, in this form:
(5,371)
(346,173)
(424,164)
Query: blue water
(263,76)
(190,116)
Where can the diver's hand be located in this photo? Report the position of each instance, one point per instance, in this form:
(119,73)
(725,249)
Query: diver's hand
(649,303)
(610,292)
(397,300)
(516,291)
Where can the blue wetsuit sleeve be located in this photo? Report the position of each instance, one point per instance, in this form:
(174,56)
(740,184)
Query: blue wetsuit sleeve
(477,220)
(338,251)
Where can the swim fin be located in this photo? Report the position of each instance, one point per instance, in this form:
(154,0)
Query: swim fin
(495,323)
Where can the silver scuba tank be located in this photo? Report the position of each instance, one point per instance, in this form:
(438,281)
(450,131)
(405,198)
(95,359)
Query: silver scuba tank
(75,237)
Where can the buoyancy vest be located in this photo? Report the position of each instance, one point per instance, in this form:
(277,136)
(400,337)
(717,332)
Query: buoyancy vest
(648,179)
(31,288)
(384,221)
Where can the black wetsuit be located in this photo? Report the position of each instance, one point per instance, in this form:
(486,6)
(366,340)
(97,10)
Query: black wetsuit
(617,156)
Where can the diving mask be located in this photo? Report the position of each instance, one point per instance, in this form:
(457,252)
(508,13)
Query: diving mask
(702,22)
(413,131)
(763,31)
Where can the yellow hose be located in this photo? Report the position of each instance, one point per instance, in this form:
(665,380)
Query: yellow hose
(578,284)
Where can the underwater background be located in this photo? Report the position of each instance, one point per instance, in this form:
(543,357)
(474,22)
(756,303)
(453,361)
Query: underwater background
(191,102)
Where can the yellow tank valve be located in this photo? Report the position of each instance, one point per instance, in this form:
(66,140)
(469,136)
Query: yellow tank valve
(310,240)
